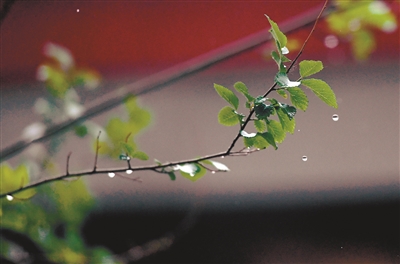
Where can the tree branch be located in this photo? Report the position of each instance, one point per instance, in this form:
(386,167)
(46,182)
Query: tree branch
(129,169)
(159,80)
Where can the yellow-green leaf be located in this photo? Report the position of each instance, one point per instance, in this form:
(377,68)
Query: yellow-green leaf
(228,116)
(322,90)
(276,130)
(277,33)
(227,95)
(309,67)
(298,98)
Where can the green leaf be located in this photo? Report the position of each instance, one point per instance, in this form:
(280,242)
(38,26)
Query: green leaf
(228,116)
(363,44)
(287,124)
(128,148)
(263,111)
(298,98)
(270,139)
(309,67)
(11,180)
(139,118)
(227,95)
(259,141)
(140,155)
(81,131)
(171,175)
(260,125)
(322,90)
(277,34)
(282,80)
(276,130)
(248,142)
(290,111)
(242,88)
(192,171)
(282,93)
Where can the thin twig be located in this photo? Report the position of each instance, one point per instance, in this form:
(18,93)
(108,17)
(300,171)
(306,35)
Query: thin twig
(159,80)
(97,152)
(67,167)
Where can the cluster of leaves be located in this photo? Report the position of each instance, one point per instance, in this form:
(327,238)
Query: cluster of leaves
(270,131)
(355,21)
(53,217)
(52,220)
(118,139)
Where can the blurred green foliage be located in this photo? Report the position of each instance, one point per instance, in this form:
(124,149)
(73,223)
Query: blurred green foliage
(356,21)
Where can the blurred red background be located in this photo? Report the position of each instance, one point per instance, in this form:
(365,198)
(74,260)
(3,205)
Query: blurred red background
(118,36)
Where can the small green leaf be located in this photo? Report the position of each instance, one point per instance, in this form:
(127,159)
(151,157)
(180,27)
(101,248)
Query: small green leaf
(260,141)
(282,80)
(228,116)
(128,148)
(192,171)
(287,124)
(260,125)
(277,34)
(310,67)
(242,88)
(227,95)
(290,111)
(140,155)
(172,176)
(362,44)
(139,118)
(248,142)
(322,90)
(282,93)
(276,130)
(81,131)
(270,139)
(298,98)
(263,111)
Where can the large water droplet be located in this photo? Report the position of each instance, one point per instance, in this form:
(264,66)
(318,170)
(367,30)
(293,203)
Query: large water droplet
(10,197)
(129,171)
(335,117)
(304,158)
(331,41)
(111,174)
(77,10)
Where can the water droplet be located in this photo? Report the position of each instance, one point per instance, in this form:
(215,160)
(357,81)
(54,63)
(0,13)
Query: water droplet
(10,197)
(335,117)
(124,157)
(213,172)
(304,158)
(298,130)
(331,41)
(111,174)
(222,157)
(77,10)
(129,171)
